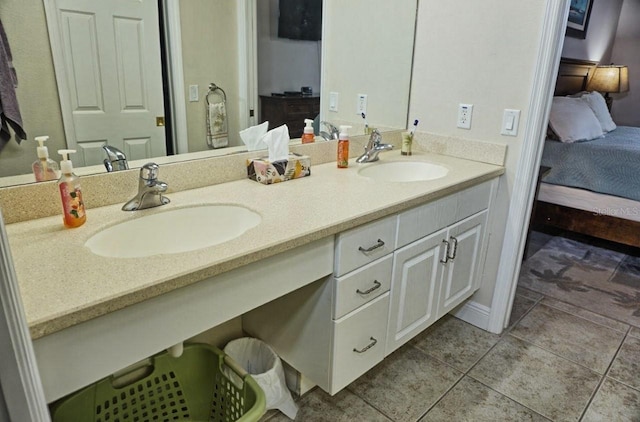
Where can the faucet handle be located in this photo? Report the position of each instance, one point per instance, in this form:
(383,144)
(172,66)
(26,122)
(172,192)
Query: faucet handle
(149,172)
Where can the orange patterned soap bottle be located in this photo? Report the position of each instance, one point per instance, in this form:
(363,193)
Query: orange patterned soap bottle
(73,213)
(343,147)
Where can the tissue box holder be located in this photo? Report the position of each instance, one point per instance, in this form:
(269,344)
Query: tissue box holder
(263,171)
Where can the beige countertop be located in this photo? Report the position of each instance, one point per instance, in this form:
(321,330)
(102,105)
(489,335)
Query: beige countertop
(63,283)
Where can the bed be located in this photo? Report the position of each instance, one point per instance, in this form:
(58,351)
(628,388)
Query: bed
(593,187)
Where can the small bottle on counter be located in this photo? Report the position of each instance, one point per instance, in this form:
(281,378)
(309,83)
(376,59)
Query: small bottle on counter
(343,147)
(44,168)
(73,212)
(308,136)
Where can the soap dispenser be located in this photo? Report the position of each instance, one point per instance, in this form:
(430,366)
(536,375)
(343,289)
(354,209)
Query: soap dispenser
(70,193)
(44,168)
(308,136)
(343,147)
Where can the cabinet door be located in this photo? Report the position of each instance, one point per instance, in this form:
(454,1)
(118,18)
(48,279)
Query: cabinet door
(416,277)
(462,267)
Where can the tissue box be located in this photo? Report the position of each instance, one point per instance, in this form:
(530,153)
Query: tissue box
(263,171)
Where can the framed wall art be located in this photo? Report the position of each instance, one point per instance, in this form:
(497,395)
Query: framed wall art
(579,12)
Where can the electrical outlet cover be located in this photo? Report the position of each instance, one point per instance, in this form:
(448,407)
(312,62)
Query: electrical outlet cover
(464,116)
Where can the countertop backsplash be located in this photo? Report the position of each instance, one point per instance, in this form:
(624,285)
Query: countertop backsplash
(39,200)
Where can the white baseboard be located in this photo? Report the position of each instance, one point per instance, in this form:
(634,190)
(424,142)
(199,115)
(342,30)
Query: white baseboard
(473,313)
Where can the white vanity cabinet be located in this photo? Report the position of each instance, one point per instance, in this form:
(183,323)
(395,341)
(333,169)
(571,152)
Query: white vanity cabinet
(392,279)
(437,265)
(335,330)
(433,275)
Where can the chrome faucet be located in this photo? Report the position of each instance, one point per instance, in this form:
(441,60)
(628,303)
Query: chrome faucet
(150,190)
(373,148)
(332,132)
(116,160)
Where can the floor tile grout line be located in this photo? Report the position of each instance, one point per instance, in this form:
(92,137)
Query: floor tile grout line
(556,354)
(512,326)
(442,396)
(604,377)
(587,319)
(505,395)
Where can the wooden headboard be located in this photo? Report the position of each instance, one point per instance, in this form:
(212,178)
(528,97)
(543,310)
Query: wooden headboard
(573,76)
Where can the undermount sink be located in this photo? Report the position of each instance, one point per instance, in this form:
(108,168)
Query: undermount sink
(404,171)
(173,231)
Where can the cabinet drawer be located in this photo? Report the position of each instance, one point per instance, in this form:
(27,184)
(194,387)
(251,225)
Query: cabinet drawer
(423,220)
(473,200)
(362,285)
(364,244)
(359,342)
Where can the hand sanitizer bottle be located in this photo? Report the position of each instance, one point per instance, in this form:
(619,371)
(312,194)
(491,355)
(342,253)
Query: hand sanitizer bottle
(308,135)
(343,147)
(44,168)
(73,213)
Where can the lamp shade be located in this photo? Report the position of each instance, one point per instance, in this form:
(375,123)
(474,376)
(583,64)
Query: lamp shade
(611,78)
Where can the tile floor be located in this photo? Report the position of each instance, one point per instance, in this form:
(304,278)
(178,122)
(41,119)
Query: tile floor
(554,362)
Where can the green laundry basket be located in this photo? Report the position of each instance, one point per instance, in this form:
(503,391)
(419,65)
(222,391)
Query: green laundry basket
(192,387)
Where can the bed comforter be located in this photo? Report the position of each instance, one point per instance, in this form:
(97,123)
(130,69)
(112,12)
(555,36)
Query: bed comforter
(609,165)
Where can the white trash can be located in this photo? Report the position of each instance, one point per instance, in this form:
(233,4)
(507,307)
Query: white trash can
(264,365)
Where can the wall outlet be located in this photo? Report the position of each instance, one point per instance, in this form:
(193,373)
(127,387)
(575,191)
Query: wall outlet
(333,101)
(361,105)
(464,115)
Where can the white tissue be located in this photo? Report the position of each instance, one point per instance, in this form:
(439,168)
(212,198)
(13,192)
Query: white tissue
(277,141)
(252,136)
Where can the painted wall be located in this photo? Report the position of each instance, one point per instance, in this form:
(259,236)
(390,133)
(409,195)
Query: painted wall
(212,27)
(284,64)
(465,53)
(601,33)
(626,50)
(37,90)
(375,61)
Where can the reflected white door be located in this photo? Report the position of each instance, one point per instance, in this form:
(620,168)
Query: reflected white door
(107,56)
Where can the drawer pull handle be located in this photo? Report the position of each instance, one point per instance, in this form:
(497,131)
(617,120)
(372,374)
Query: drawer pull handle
(372,248)
(367,347)
(376,286)
(454,243)
(446,252)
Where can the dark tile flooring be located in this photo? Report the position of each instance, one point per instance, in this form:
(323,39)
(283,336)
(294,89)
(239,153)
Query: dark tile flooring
(554,362)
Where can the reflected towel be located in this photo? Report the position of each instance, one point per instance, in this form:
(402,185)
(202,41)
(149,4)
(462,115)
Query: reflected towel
(9,108)
(217,133)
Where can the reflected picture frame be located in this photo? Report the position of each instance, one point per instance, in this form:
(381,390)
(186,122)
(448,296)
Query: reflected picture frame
(579,13)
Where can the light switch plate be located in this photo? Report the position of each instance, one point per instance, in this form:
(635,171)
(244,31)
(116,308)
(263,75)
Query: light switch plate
(193,93)
(333,101)
(510,121)
(362,104)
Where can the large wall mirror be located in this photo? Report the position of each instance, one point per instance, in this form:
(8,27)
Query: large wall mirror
(366,47)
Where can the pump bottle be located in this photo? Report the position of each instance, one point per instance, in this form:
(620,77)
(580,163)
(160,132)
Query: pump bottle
(308,135)
(44,168)
(343,147)
(73,212)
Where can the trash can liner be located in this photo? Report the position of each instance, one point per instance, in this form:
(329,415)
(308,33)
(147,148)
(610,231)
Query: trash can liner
(264,365)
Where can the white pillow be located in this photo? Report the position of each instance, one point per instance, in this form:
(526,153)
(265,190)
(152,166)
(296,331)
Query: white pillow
(573,120)
(596,101)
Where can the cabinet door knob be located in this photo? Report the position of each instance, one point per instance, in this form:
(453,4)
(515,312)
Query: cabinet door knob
(379,244)
(367,347)
(454,243)
(446,252)
(376,286)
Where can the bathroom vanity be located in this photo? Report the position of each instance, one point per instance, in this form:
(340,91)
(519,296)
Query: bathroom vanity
(90,315)
(392,278)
